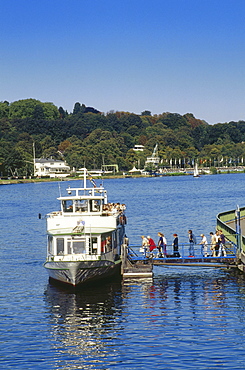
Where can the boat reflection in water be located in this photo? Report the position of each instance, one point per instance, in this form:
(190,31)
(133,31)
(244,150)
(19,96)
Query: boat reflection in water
(82,324)
(130,323)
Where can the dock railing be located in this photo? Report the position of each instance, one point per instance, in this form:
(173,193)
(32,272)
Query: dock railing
(230,223)
(230,248)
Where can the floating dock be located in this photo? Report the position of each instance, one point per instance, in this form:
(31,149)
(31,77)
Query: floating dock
(133,267)
(140,266)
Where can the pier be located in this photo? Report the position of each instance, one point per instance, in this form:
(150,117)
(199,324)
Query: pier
(136,264)
(232,225)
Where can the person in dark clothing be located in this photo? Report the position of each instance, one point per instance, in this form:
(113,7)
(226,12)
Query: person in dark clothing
(176,245)
(192,242)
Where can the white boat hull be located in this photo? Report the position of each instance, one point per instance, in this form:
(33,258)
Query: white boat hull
(76,273)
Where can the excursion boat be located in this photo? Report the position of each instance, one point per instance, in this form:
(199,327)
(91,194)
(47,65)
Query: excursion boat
(85,236)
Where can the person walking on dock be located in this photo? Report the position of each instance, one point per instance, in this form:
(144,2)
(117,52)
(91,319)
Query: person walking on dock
(212,244)
(204,244)
(162,243)
(152,245)
(176,245)
(192,241)
(144,246)
(221,244)
(217,242)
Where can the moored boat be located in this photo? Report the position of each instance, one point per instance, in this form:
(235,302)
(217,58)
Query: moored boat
(196,171)
(85,236)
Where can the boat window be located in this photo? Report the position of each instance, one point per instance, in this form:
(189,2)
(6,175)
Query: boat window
(60,246)
(93,246)
(69,250)
(79,246)
(114,240)
(95,205)
(50,244)
(81,205)
(67,206)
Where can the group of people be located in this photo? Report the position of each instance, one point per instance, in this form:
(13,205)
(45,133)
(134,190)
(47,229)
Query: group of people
(148,246)
(113,208)
(217,245)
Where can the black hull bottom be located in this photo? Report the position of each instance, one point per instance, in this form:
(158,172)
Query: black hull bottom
(115,272)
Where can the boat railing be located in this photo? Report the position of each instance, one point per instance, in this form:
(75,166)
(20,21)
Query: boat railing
(87,191)
(73,257)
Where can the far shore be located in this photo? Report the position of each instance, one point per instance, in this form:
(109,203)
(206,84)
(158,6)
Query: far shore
(11,181)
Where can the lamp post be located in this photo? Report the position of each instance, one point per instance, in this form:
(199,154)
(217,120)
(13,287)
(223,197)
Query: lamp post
(238,228)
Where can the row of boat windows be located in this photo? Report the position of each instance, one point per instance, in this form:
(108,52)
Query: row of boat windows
(83,205)
(82,245)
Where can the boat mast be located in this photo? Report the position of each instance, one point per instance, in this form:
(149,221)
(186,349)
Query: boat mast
(34,158)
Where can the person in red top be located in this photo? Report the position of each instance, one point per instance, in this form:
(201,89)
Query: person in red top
(152,244)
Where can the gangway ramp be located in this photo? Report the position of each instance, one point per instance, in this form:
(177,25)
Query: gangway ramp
(137,262)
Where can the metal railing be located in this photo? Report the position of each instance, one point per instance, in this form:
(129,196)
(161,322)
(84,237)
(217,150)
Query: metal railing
(184,251)
(229,223)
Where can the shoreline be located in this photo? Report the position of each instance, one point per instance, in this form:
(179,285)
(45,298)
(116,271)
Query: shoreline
(56,179)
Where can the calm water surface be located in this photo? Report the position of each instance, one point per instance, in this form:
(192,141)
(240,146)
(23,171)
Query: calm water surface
(185,318)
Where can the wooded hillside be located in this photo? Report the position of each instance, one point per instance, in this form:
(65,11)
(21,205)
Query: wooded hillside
(88,136)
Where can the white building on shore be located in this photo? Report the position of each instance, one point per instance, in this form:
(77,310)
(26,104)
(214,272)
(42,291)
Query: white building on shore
(138,148)
(48,167)
(154,159)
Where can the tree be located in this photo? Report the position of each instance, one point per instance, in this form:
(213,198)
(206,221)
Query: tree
(62,113)
(14,161)
(38,112)
(157,129)
(31,108)
(64,145)
(4,110)
(146,113)
(78,108)
(175,121)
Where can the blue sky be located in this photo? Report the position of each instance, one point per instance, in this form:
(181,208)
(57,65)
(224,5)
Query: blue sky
(180,56)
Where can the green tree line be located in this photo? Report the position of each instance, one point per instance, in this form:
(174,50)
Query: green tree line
(88,136)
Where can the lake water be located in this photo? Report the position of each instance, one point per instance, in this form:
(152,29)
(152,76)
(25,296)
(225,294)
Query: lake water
(185,318)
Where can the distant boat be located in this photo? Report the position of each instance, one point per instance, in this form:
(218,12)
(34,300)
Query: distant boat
(196,171)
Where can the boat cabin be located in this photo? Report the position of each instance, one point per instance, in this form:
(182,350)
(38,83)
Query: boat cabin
(86,227)
(84,200)
(82,205)
(81,245)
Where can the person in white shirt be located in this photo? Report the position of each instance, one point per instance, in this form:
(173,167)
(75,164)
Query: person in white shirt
(204,244)
(145,245)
